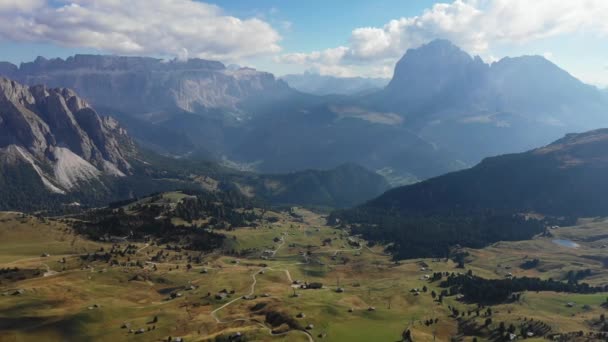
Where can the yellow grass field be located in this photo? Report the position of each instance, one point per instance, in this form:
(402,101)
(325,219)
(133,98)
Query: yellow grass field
(77,301)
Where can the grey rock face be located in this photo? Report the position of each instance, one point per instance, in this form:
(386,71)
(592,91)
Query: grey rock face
(60,134)
(141,84)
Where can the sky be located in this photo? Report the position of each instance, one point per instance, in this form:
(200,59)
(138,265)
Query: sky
(337,37)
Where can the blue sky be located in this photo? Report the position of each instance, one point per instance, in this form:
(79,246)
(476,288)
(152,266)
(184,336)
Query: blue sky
(339,37)
(317,24)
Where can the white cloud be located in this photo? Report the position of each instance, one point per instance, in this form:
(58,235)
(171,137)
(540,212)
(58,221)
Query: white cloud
(20,5)
(325,62)
(474,25)
(146,27)
(595,77)
(451,21)
(329,56)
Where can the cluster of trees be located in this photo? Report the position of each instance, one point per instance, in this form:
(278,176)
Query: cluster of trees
(8,270)
(497,331)
(575,276)
(278,318)
(482,205)
(149,221)
(530,264)
(494,291)
(230,207)
(23,190)
(433,235)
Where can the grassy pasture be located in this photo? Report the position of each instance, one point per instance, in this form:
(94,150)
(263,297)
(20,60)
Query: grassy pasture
(77,302)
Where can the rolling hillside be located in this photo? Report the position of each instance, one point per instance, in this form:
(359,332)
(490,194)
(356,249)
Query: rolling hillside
(491,201)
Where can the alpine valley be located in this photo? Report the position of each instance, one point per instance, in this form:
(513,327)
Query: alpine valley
(146,199)
(443,110)
(57,152)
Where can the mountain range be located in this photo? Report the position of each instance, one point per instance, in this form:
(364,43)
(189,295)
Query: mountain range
(442,111)
(145,90)
(477,110)
(55,149)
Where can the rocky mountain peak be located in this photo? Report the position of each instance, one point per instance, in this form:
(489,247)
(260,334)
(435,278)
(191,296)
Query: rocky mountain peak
(437,70)
(60,135)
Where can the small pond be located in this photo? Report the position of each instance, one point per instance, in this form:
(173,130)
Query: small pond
(566,243)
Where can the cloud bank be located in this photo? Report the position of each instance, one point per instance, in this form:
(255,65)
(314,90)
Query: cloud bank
(475,25)
(142,27)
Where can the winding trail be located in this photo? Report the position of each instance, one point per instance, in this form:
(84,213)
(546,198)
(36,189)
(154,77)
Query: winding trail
(252,292)
(279,247)
(252,289)
(144,247)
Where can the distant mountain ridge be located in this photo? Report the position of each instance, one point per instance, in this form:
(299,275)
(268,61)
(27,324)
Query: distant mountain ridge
(143,84)
(440,73)
(178,97)
(344,186)
(436,71)
(566,178)
(331,85)
(443,110)
(478,109)
(56,150)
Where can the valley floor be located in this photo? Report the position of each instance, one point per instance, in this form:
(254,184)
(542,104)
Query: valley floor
(50,294)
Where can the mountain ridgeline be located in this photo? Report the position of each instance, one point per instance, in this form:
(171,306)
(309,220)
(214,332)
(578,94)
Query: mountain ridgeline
(55,149)
(491,201)
(316,84)
(156,98)
(142,84)
(443,110)
(475,109)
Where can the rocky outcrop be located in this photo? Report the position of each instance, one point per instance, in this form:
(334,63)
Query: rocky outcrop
(60,136)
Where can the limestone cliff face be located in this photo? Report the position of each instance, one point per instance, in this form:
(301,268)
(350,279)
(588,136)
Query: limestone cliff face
(60,135)
(140,85)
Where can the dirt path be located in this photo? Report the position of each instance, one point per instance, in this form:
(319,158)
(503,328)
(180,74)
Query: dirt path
(252,289)
(24,260)
(49,272)
(252,292)
(279,247)
(144,247)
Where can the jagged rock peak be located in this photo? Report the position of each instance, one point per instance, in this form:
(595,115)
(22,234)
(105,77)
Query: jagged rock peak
(60,135)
